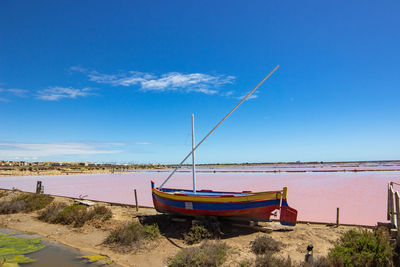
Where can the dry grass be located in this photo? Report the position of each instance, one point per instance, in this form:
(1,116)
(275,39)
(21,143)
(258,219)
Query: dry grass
(75,214)
(196,234)
(130,236)
(265,244)
(208,254)
(25,203)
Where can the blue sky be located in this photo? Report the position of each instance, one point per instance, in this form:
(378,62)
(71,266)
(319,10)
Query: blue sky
(117,81)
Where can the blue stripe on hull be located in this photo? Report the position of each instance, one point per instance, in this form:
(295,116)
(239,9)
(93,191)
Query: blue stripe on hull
(219,206)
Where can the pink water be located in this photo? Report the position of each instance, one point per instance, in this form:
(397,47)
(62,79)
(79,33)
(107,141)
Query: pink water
(298,167)
(361,196)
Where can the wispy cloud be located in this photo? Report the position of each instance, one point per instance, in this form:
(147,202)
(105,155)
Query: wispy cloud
(18,92)
(172,81)
(253,96)
(35,150)
(57,93)
(12,92)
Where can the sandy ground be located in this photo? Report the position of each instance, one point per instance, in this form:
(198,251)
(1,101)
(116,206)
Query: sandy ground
(156,253)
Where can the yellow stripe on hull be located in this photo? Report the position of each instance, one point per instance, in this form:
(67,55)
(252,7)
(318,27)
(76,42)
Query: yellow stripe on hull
(247,197)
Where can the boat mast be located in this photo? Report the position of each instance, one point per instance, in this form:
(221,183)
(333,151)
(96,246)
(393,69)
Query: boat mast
(216,126)
(193,165)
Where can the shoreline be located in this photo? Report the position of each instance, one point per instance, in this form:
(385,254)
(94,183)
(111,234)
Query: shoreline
(217,169)
(90,237)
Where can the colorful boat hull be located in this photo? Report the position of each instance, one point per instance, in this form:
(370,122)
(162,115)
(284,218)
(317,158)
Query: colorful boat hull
(255,206)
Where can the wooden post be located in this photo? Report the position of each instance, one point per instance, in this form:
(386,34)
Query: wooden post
(388,203)
(337,217)
(38,187)
(391,206)
(137,207)
(396,195)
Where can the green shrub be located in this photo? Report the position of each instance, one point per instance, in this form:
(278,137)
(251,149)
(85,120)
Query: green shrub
(323,262)
(50,213)
(25,203)
(151,231)
(362,248)
(8,207)
(265,244)
(75,214)
(126,235)
(245,263)
(196,234)
(130,235)
(100,213)
(268,260)
(208,254)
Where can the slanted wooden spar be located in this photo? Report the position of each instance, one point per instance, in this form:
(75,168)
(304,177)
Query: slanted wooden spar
(256,206)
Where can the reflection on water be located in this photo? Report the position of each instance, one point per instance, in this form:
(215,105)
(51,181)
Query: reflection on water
(54,254)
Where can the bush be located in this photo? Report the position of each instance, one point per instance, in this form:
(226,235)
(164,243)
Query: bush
(8,207)
(323,262)
(50,213)
(362,248)
(75,214)
(151,231)
(126,235)
(268,260)
(25,203)
(100,213)
(208,254)
(264,244)
(131,234)
(196,234)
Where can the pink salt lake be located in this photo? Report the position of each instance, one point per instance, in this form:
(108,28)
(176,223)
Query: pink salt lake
(361,196)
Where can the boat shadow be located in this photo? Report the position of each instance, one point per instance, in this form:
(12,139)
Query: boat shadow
(176,227)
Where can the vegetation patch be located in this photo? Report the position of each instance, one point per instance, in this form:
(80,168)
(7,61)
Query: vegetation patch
(13,249)
(50,213)
(265,244)
(151,231)
(25,203)
(129,236)
(196,234)
(362,248)
(208,254)
(75,214)
(268,260)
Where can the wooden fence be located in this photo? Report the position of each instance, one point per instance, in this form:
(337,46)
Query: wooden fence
(393,210)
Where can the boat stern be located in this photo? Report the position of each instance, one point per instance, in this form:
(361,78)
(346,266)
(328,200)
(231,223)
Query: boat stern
(288,215)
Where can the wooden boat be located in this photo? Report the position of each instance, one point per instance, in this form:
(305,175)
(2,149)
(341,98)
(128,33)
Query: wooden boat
(256,206)
(249,205)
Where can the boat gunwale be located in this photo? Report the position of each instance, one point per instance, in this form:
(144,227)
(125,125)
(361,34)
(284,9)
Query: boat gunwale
(245,197)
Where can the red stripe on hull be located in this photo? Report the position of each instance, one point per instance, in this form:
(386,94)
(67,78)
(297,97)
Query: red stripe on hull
(262,213)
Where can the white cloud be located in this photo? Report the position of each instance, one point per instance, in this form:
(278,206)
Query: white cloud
(57,93)
(12,92)
(172,81)
(35,150)
(18,92)
(253,96)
